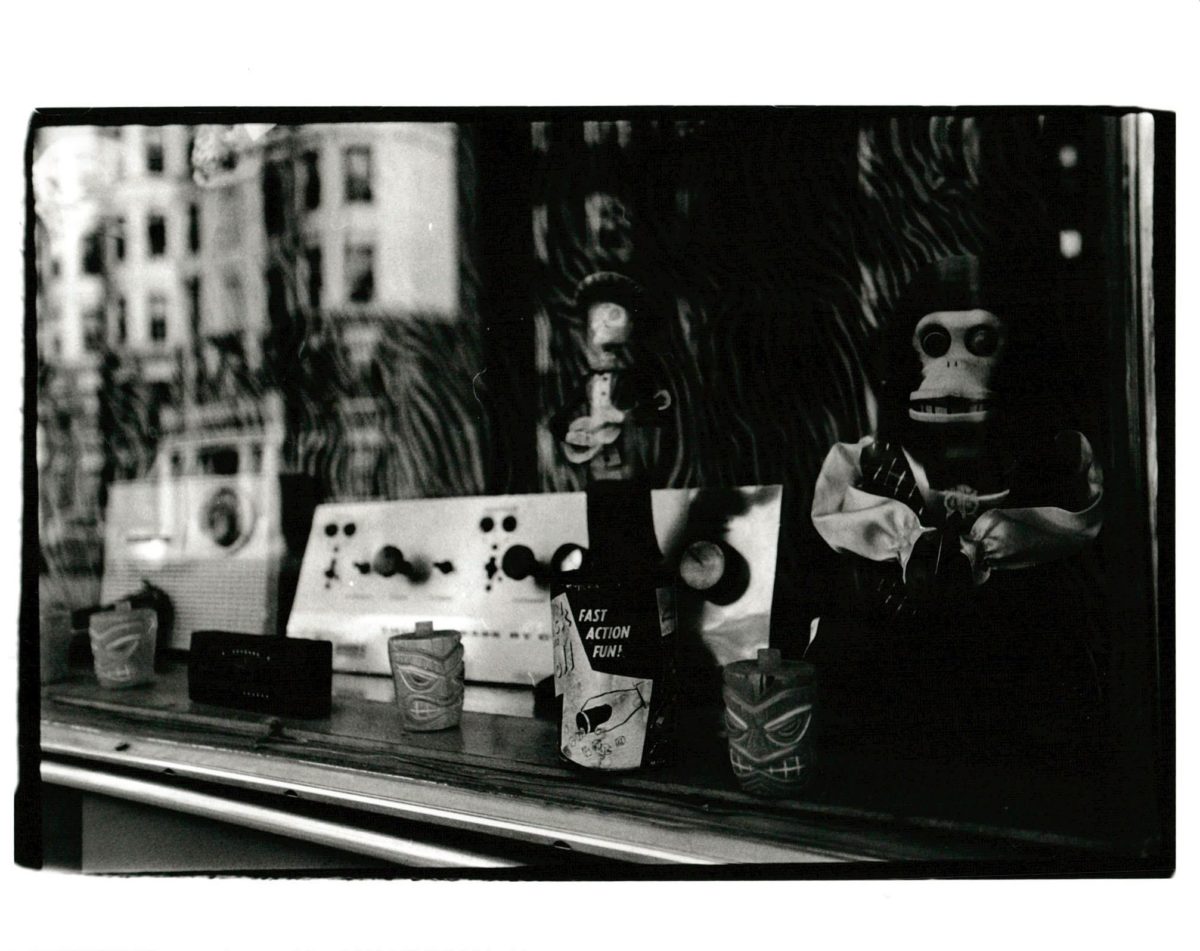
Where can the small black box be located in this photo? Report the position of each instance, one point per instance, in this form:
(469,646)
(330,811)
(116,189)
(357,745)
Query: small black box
(264,674)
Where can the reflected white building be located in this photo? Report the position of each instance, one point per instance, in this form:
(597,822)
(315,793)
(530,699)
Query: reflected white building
(169,275)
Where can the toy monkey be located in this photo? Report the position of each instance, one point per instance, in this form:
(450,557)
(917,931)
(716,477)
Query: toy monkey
(959,517)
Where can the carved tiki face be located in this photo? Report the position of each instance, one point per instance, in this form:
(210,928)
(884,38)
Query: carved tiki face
(768,717)
(123,646)
(427,671)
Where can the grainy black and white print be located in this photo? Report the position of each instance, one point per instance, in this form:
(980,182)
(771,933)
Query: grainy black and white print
(944,333)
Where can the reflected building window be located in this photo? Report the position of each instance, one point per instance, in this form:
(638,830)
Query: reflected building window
(154,150)
(93,253)
(122,321)
(193,227)
(273,197)
(235,301)
(190,150)
(218,460)
(65,485)
(360,273)
(158,318)
(156,235)
(118,236)
(94,330)
(310,169)
(356,162)
(193,296)
(277,303)
(312,259)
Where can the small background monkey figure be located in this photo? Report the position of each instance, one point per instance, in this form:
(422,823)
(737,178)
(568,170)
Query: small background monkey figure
(963,519)
(598,426)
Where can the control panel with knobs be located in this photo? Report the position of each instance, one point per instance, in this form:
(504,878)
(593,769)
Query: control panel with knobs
(481,565)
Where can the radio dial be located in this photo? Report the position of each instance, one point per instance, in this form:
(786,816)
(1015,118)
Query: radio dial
(389,560)
(223,518)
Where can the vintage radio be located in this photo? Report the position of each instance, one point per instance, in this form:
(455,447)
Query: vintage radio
(264,674)
(217,528)
(480,565)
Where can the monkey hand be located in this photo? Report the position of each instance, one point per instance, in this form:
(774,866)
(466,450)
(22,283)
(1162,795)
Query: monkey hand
(1054,472)
(1069,469)
(937,569)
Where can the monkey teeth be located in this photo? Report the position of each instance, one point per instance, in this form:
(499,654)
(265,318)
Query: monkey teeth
(949,406)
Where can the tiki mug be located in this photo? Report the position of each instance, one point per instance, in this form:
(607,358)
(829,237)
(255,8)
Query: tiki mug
(427,669)
(123,644)
(769,706)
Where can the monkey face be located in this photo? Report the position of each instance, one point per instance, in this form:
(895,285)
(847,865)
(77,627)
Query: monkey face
(960,351)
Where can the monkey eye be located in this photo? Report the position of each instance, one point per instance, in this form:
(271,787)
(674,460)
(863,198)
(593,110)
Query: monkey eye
(935,341)
(982,341)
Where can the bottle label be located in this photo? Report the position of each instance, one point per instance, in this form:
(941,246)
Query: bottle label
(610,642)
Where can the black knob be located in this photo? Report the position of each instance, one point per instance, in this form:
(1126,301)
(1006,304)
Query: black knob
(389,560)
(519,562)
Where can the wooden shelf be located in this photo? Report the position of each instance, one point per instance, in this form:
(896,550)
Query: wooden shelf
(499,776)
